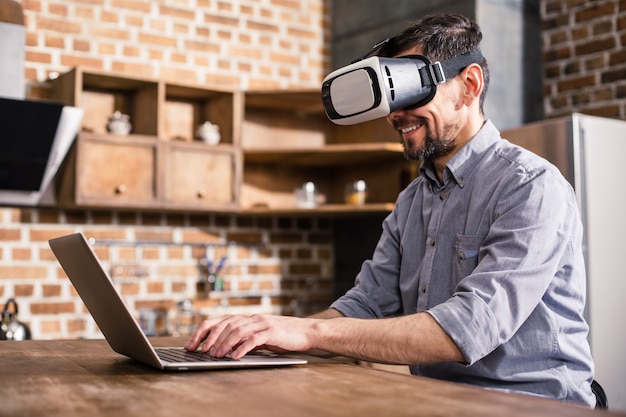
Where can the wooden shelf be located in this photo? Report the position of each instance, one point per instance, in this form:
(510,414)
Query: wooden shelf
(328,155)
(323,209)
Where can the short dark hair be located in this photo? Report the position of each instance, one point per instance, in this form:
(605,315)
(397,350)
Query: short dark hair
(440,36)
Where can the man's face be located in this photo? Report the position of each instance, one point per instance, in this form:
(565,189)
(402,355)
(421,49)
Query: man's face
(429,132)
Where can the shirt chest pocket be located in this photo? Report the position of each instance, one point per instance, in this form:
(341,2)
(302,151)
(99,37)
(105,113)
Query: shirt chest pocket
(466,250)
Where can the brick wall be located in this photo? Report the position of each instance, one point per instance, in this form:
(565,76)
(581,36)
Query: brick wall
(584,44)
(278,265)
(250,44)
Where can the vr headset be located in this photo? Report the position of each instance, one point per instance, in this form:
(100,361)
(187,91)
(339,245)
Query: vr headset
(371,88)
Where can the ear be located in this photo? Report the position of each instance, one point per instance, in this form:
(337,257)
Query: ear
(472,77)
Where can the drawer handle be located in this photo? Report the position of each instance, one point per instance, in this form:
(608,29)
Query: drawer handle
(120,189)
(201,194)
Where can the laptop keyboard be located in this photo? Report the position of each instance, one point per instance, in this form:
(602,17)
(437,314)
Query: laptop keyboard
(182,355)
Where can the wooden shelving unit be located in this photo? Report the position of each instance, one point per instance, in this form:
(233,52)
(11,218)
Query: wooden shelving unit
(271,143)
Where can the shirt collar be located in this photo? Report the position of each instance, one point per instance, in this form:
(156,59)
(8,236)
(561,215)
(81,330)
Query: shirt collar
(463,162)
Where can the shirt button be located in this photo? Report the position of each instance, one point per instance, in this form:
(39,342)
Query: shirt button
(432,242)
(443,196)
(424,289)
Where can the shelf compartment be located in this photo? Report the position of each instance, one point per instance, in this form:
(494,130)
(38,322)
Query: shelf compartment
(296,119)
(186,107)
(100,94)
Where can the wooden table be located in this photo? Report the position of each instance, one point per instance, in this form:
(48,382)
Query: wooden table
(86,378)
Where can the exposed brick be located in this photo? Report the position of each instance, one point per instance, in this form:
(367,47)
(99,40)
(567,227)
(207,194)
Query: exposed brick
(171,270)
(596,10)
(142,6)
(74,326)
(21,254)
(54,41)
(288,4)
(51,290)
(76,217)
(613,75)
(245,237)
(610,111)
(18,272)
(58,9)
(294,237)
(244,301)
(57,25)
(618,57)
(9,234)
(303,268)
(199,236)
(47,216)
(136,21)
(41,57)
(108,33)
(557,54)
(559,102)
(581,32)
(576,83)
(177,13)
(23,290)
(261,27)
(139,70)
(109,16)
(155,287)
(71,60)
(220,20)
(129,288)
(595,45)
(113,233)
(50,326)
(153,235)
(597,62)
(37,308)
(81,45)
(602,28)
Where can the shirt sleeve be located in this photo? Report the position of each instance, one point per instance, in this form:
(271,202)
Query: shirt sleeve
(528,243)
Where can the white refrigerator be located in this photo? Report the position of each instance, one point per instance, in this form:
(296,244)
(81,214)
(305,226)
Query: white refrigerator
(591,153)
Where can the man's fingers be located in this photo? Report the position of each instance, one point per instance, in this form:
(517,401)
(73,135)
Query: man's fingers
(240,335)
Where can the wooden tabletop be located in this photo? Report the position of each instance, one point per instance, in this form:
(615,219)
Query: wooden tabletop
(86,378)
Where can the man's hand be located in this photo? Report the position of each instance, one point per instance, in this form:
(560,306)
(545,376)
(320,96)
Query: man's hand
(239,334)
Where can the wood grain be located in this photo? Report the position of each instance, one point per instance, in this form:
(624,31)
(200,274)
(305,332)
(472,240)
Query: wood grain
(84,377)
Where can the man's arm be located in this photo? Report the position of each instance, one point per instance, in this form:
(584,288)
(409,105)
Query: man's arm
(412,339)
(407,340)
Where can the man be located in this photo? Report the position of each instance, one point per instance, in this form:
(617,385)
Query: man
(478,276)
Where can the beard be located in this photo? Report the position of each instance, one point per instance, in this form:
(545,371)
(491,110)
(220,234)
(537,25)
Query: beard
(432,148)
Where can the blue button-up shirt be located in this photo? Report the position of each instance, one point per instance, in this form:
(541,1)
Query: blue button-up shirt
(494,254)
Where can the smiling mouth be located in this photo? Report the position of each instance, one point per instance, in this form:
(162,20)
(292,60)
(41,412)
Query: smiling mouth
(411,128)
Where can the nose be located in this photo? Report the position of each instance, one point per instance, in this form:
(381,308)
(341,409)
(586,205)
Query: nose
(396,115)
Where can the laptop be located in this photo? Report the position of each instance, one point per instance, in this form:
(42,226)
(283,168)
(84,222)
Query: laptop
(122,331)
